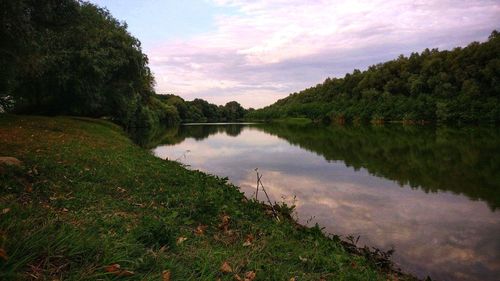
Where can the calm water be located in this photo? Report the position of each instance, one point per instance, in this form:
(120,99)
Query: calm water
(432,194)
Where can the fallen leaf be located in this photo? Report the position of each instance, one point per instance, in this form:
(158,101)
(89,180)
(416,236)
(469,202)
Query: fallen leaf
(3,254)
(248,240)
(237,277)
(200,230)
(226,268)
(116,270)
(165,275)
(224,225)
(302,259)
(292,279)
(5,211)
(180,240)
(64,210)
(112,268)
(250,275)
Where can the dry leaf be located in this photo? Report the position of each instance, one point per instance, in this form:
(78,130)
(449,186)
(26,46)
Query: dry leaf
(165,276)
(248,240)
(200,230)
(116,270)
(237,277)
(3,254)
(180,240)
(64,210)
(224,225)
(226,268)
(225,219)
(250,275)
(302,259)
(292,279)
(5,211)
(112,268)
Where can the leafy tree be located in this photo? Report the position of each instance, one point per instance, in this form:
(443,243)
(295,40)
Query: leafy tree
(461,85)
(71,57)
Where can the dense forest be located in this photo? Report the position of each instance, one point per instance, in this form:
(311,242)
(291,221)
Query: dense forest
(73,58)
(200,110)
(461,85)
(70,57)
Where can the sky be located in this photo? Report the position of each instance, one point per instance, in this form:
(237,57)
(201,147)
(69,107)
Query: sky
(256,52)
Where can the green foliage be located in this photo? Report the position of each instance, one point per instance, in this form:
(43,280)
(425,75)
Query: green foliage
(461,85)
(200,110)
(73,58)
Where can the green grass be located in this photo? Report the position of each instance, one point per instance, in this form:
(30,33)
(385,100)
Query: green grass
(87,197)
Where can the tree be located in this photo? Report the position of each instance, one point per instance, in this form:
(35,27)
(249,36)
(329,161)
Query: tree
(461,85)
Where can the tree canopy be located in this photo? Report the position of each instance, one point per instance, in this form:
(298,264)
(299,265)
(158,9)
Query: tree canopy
(73,58)
(460,85)
(200,110)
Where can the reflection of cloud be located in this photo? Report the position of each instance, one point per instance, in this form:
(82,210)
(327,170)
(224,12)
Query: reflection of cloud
(217,146)
(268,49)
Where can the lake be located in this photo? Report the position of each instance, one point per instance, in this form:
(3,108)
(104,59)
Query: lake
(430,193)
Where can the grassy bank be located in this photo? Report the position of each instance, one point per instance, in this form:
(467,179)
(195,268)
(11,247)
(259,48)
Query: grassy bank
(86,197)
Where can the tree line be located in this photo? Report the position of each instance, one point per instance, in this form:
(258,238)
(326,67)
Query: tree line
(460,85)
(200,110)
(69,57)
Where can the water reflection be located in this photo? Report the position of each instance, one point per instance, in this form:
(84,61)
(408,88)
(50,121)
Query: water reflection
(403,188)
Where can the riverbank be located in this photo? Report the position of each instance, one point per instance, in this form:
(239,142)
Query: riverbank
(86,198)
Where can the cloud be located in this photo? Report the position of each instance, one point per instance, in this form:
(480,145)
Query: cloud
(268,49)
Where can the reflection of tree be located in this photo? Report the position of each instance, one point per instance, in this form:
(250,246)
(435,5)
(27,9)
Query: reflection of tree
(433,159)
(152,136)
(199,132)
(233,130)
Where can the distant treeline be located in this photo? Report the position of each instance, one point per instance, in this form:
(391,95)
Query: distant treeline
(70,57)
(200,110)
(461,85)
